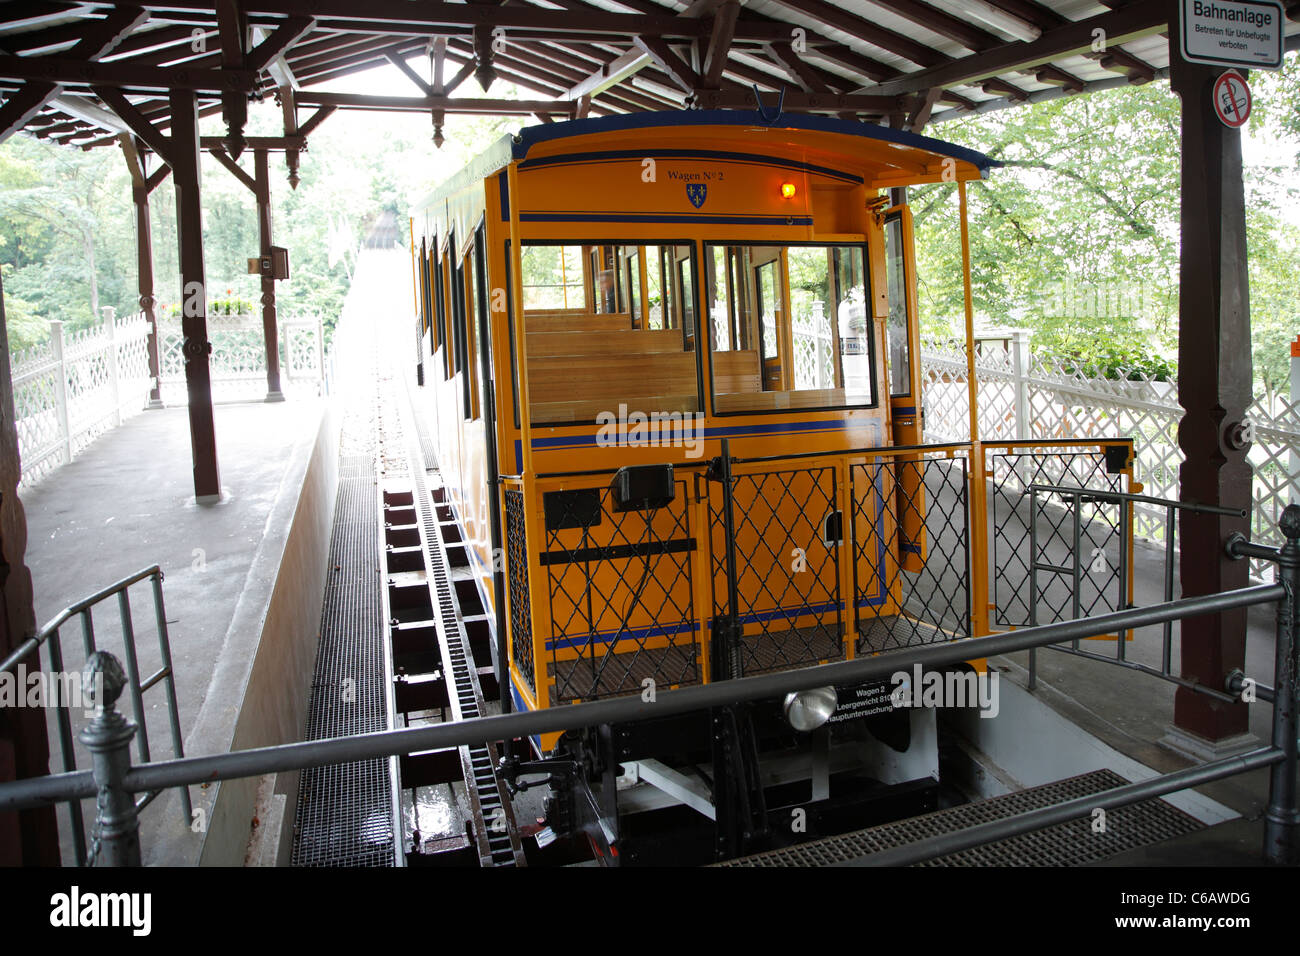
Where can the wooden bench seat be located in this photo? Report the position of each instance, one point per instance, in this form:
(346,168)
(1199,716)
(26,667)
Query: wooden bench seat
(647,377)
(623,341)
(749,400)
(576,322)
(559,413)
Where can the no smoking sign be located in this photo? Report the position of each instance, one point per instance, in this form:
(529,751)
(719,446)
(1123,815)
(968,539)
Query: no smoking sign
(1232,99)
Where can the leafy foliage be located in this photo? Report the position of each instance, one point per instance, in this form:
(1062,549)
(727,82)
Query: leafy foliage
(67,236)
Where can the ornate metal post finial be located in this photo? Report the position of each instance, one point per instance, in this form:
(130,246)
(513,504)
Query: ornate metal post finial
(116,837)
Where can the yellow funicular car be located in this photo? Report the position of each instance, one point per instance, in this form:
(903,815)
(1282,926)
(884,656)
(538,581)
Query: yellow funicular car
(671,362)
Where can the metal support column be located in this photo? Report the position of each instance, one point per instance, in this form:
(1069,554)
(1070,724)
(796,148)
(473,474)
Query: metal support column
(1214,388)
(194,296)
(1282,820)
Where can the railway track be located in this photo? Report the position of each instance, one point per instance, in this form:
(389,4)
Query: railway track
(431,647)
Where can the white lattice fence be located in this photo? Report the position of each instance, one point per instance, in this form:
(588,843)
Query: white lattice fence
(77,386)
(1042,396)
(238,359)
(812,345)
(946,396)
(1274,455)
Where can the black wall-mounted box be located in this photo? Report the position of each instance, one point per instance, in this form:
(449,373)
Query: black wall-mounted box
(643,487)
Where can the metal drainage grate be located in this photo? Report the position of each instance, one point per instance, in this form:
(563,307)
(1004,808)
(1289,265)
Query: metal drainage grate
(344,815)
(1067,844)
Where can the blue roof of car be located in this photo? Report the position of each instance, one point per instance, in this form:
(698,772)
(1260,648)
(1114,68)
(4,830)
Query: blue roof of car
(533,135)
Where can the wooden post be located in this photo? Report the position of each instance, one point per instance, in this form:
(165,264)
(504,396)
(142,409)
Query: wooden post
(269,331)
(29,837)
(194,300)
(144,274)
(1214,388)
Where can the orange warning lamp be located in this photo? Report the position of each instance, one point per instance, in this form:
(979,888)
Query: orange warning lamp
(787,190)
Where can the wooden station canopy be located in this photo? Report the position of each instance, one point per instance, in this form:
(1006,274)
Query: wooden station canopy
(141,75)
(81,73)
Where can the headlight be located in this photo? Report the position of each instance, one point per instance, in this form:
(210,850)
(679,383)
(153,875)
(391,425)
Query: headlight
(808,709)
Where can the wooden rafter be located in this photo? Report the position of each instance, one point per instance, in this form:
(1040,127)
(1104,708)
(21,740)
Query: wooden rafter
(662,55)
(719,45)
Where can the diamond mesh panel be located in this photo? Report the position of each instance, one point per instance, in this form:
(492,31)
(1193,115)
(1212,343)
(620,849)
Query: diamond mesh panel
(910,592)
(1060,398)
(1101,583)
(619,589)
(521,631)
(787,575)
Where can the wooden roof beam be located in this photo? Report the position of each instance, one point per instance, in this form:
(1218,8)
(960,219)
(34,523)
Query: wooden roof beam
(568,70)
(998,87)
(662,55)
(1138,19)
(97,39)
(1119,60)
(721,34)
(945,24)
(801,102)
(867,31)
(76,72)
(637,59)
(35,13)
(404,68)
(23,105)
(390,16)
(281,40)
(423,104)
(798,69)
(1055,76)
(137,121)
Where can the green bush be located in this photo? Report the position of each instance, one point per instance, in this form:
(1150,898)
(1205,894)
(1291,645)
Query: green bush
(232,306)
(1118,364)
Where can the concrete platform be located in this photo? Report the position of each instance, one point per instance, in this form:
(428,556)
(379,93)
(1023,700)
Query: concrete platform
(127,503)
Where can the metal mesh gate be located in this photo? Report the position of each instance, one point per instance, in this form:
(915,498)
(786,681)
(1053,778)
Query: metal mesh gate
(620,600)
(788,531)
(1051,533)
(911,552)
(521,622)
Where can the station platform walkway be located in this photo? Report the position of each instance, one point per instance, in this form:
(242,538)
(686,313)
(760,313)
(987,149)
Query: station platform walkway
(245,579)
(127,503)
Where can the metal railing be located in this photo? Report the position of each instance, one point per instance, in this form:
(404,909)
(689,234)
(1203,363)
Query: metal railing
(1125,502)
(788,560)
(1033,393)
(238,358)
(115,780)
(93,735)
